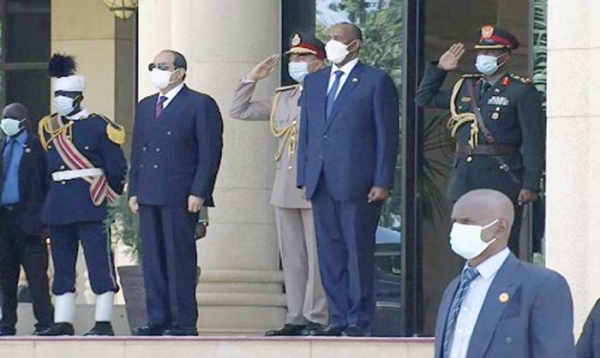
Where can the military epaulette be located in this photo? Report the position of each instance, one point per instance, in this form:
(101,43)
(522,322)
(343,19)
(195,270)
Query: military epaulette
(524,80)
(114,131)
(287,88)
(472,75)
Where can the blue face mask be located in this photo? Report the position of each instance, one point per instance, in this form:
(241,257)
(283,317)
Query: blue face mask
(298,70)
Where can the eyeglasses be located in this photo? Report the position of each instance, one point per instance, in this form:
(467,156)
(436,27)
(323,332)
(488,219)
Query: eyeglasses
(161,66)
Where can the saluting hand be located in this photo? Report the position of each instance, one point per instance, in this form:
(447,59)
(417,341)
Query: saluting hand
(263,69)
(449,60)
(195,204)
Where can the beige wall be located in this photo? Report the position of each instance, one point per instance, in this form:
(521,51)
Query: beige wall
(573,213)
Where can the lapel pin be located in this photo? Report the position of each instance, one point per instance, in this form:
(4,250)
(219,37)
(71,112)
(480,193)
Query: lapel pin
(354,79)
(504,297)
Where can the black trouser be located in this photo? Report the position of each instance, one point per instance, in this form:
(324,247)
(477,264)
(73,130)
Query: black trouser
(19,249)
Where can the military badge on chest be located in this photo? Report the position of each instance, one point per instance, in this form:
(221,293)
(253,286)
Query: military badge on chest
(499,102)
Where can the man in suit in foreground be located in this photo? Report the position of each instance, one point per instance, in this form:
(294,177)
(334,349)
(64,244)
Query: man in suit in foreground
(23,188)
(500,306)
(346,162)
(175,158)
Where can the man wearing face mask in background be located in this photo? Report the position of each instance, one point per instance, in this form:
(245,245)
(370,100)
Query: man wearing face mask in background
(306,304)
(497,120)
(500,306)
(346,163)
(23,186)
(175,158)
(86,170)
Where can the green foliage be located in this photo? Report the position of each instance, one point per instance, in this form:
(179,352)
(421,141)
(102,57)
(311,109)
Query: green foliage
(125,226)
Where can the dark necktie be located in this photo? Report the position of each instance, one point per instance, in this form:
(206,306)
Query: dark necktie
(333,91)
(7,156)
(467,276)
(485,87)
(159,106)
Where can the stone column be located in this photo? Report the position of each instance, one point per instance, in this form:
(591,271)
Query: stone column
(573,209)
(240,290)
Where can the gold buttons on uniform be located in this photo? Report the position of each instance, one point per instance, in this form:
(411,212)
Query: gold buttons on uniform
(168,132)
(63,182)
(158,149)
(144,149)
(155,166)
(87,147)
(62,167)
(469,159)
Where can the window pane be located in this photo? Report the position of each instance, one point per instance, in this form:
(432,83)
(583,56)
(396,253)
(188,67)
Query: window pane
(31,88)
(27,31)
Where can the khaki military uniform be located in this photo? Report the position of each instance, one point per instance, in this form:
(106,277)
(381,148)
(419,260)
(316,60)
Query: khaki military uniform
(294,218)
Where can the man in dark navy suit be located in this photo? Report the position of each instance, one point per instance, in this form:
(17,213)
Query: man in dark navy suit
(346,160)
(175,158)
(23,188)
(87,170)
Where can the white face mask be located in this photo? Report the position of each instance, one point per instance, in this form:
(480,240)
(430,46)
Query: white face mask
(466,242)
(336,51)
(486,64)
(160,79)
(64,105)
(298,70)
(11,126)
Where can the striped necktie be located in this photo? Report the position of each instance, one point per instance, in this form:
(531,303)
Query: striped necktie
(159,106)
(467,276)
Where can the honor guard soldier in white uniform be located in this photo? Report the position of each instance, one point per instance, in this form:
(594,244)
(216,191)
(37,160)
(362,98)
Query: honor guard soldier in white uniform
(87,168)
(306,303)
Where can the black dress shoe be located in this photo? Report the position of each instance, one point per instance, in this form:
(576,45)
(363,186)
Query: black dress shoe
(355,331)
(39,329)
(181,331)
(287,330)
(310,326)
(7,331)
(58,329)
(329,330)
(149,330)
(101,329)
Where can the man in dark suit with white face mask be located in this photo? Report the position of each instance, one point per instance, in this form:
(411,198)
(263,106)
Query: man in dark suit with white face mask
(175,158)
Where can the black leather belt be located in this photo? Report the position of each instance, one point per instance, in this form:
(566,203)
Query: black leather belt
(486,149)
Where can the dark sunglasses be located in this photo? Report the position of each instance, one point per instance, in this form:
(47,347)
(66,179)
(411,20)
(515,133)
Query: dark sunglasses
(161,66)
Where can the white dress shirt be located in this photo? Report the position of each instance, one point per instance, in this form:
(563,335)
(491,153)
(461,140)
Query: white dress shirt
(473,302)
(83,113)
(347,68)
(170,95)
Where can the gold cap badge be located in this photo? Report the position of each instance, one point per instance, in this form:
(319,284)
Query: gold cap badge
(296,40)
(504,297)
(487,32)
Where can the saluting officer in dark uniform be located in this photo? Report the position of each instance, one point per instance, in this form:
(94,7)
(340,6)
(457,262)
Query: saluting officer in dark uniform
(87,168)
(497,120)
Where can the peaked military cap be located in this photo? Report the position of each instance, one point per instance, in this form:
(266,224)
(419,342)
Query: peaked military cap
(496,39)
(303,43)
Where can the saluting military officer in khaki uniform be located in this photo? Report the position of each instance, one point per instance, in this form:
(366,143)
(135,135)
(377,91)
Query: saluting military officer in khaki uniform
(307,307)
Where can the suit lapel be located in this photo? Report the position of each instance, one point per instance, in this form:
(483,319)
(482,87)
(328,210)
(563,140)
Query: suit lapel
(321,84)
(443,316)
(174,107)
(506,282)
(343,97)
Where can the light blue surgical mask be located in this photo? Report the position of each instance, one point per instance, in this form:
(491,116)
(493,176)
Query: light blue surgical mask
(298,70)
(486,64)
(11,126)
(64,105)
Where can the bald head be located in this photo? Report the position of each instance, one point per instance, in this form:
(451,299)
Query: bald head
(484,206)
(15,111)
